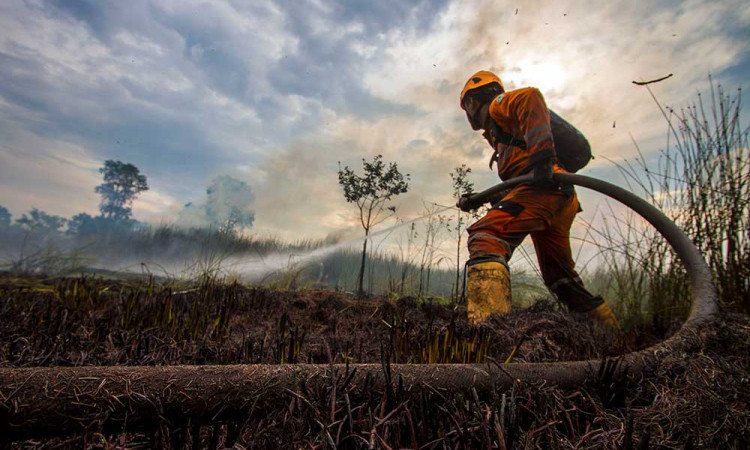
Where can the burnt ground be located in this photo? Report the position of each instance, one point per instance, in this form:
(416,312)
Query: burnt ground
(696,400)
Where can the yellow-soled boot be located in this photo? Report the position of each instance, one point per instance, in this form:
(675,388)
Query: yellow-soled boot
(603,313)
(488,290)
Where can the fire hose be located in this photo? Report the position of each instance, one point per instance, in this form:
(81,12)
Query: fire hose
(50,401)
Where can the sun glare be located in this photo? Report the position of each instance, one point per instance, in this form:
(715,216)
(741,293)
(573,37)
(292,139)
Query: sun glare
(545,75)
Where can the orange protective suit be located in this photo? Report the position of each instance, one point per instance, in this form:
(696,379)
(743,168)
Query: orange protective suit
(544,213)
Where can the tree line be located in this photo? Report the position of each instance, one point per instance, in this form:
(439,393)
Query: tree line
(122,183)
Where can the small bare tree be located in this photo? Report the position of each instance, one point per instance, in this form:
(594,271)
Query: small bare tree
(407,258)
(461,185)
(433,226)
(370,193)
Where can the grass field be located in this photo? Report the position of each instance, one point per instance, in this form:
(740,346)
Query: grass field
(697,399)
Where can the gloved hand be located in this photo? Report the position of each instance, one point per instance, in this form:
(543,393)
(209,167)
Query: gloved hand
(543,173)
(465,204)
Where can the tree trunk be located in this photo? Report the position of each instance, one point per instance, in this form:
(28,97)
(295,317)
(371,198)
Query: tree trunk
(361,277)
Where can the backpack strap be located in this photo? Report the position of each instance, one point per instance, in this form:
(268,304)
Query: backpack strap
(502,137)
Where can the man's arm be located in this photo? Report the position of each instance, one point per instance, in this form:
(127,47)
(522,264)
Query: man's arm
(532,115)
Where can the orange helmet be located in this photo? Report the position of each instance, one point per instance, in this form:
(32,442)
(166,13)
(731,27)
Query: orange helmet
(479,79)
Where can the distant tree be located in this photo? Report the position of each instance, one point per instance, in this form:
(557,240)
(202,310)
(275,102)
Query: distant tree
(41,221)
(122,184)
(83,223)
(80,223)
(461,185)
(5,217)
(228,204)
(370,193)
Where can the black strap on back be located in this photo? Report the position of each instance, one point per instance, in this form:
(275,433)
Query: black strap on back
(506,138)
(502,137)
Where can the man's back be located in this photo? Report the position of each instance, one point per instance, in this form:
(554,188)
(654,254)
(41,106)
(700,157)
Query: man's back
(523,114)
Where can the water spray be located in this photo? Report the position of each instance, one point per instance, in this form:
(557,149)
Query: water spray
(279,261)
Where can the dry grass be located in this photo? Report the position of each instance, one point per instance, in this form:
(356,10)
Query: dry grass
(698,399)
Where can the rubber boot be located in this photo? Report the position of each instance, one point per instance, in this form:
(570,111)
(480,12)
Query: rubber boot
(603,313)
(488,290)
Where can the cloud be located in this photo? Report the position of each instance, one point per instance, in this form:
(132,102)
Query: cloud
(582,55)
(150,207)
(298,194)
(276,93)
(30,179)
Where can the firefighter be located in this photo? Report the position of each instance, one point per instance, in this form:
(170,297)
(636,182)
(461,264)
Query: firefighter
(541,209)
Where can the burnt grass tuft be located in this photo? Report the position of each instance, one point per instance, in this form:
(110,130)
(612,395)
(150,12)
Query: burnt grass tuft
(695,400)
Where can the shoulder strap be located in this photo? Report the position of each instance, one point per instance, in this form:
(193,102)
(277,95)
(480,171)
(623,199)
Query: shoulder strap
(503,137)
(506,138)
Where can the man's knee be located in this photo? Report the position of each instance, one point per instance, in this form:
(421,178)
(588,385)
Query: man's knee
(489,257)
(485,244)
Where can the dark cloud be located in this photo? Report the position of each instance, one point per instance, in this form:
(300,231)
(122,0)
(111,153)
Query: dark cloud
(94,13)
(382,16)
(376,17)
(205,41)
(162,145)
(326,66)
(235,60)
(20,77)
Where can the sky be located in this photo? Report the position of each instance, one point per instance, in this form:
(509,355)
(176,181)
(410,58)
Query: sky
(277,94)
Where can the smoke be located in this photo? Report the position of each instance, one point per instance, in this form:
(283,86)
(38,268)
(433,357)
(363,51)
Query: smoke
(229,200)
(227,206)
